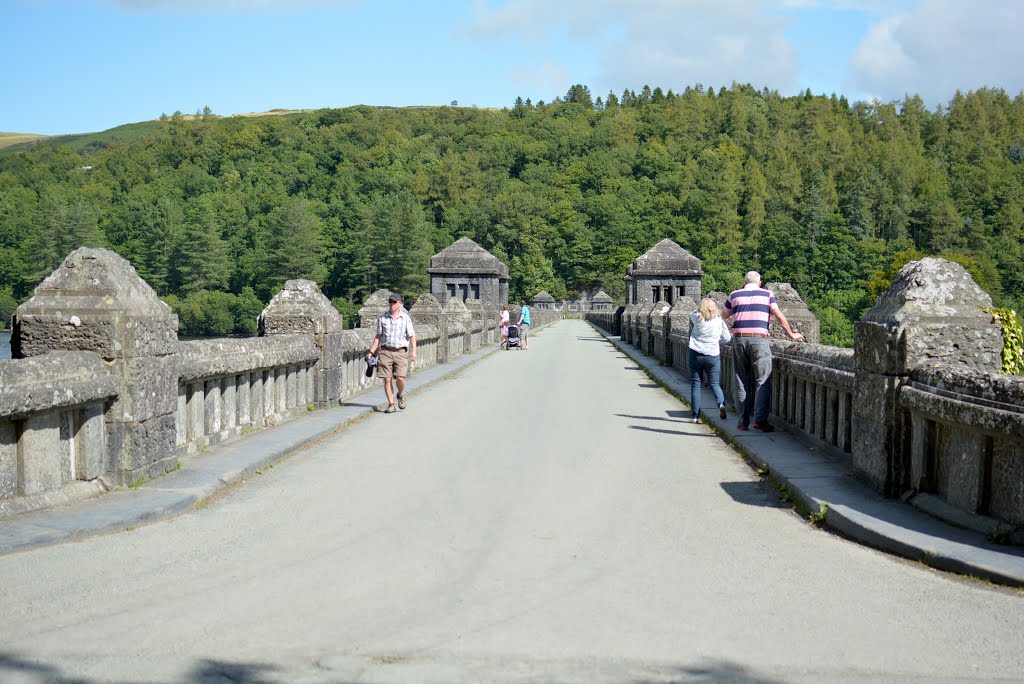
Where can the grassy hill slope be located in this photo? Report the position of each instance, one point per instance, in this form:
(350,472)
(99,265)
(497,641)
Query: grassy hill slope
(21,142)
(9,139)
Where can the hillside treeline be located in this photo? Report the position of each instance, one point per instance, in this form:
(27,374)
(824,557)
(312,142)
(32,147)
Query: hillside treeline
(215,213)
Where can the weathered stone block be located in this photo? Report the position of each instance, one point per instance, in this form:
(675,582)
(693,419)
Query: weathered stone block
(879,348)
(8,460)
(92,443)
(872,451)
(328,385)
(151,389)
(212,406)
(332,350)
(95,301)
(57,379)
(374,305)
(300,307)
(1007,500)
(800,317)
(963,453)
(40,450)
(876,429)
(243,393)
(930,314)
(141,448)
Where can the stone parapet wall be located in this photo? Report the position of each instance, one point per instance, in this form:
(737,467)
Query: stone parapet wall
(108,395)
(916,406)
(966,441)
(52,429)
(227,356)
(54,380)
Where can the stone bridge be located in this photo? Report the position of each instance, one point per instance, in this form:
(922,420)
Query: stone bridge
(101,393)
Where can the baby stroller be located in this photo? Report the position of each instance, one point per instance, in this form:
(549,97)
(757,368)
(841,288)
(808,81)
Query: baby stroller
(513,337)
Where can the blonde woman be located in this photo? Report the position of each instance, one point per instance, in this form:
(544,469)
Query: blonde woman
(707,332)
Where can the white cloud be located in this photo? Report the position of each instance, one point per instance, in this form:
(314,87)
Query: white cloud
(942,46)
(668,43)
(548,77)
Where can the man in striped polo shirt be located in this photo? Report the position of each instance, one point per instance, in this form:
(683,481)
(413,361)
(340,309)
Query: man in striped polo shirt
(751,309)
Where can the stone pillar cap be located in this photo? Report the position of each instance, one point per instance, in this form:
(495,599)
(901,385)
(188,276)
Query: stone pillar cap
(300,307)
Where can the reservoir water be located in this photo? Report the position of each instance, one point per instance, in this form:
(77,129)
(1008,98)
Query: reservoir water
(5,345)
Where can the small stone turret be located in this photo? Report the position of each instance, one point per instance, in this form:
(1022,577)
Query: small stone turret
(464,271)
(543,300)
(601,301)
(665,272)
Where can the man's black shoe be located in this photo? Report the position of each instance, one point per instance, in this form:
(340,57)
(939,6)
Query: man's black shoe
(764,427)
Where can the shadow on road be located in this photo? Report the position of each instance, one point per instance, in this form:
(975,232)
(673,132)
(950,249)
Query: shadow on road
(753,494)
(670,420)
(16,668)
(218,671)
(672,432)
(719,671)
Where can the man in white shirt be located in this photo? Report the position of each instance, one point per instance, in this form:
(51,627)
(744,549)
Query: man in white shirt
(396,340)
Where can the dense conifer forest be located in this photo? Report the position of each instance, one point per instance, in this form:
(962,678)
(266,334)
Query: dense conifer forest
(216,212)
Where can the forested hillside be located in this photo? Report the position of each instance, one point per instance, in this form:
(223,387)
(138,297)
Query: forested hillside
(216,213)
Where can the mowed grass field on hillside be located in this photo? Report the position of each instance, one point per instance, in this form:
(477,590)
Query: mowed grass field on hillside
(21,142)
(8,139)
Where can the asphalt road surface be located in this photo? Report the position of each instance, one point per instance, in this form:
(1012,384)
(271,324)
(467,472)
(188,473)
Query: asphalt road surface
(546,515)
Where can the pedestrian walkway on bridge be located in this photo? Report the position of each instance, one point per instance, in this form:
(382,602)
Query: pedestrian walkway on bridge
(824,486)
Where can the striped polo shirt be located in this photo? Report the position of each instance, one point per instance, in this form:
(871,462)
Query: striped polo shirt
(751,309)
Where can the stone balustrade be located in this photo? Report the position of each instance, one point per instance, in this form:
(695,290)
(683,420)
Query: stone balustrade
(52,426)
(230,386)
(917,405)
(103,393)
(965,441)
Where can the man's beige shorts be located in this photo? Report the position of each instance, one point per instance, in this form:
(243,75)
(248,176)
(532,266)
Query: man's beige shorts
(392,364)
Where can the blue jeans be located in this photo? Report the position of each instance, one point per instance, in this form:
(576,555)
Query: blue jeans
(752,357)
(711,367)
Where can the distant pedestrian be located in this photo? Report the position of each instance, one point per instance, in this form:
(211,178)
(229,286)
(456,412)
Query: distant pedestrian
(751,309)
(503,321)
(524,325)
(707,333)
(396,340)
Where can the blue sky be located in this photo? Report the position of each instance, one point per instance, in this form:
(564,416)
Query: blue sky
(77,66)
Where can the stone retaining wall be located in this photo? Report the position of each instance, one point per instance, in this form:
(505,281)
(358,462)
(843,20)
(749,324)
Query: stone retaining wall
(917,406)
(104,394)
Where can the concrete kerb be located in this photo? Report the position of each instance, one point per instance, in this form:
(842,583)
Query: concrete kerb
(825,489)
(210,473)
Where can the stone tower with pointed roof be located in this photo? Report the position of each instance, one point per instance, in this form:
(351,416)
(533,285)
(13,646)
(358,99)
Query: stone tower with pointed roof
(543,300)
(466,271)
(666,272)
(601,302)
